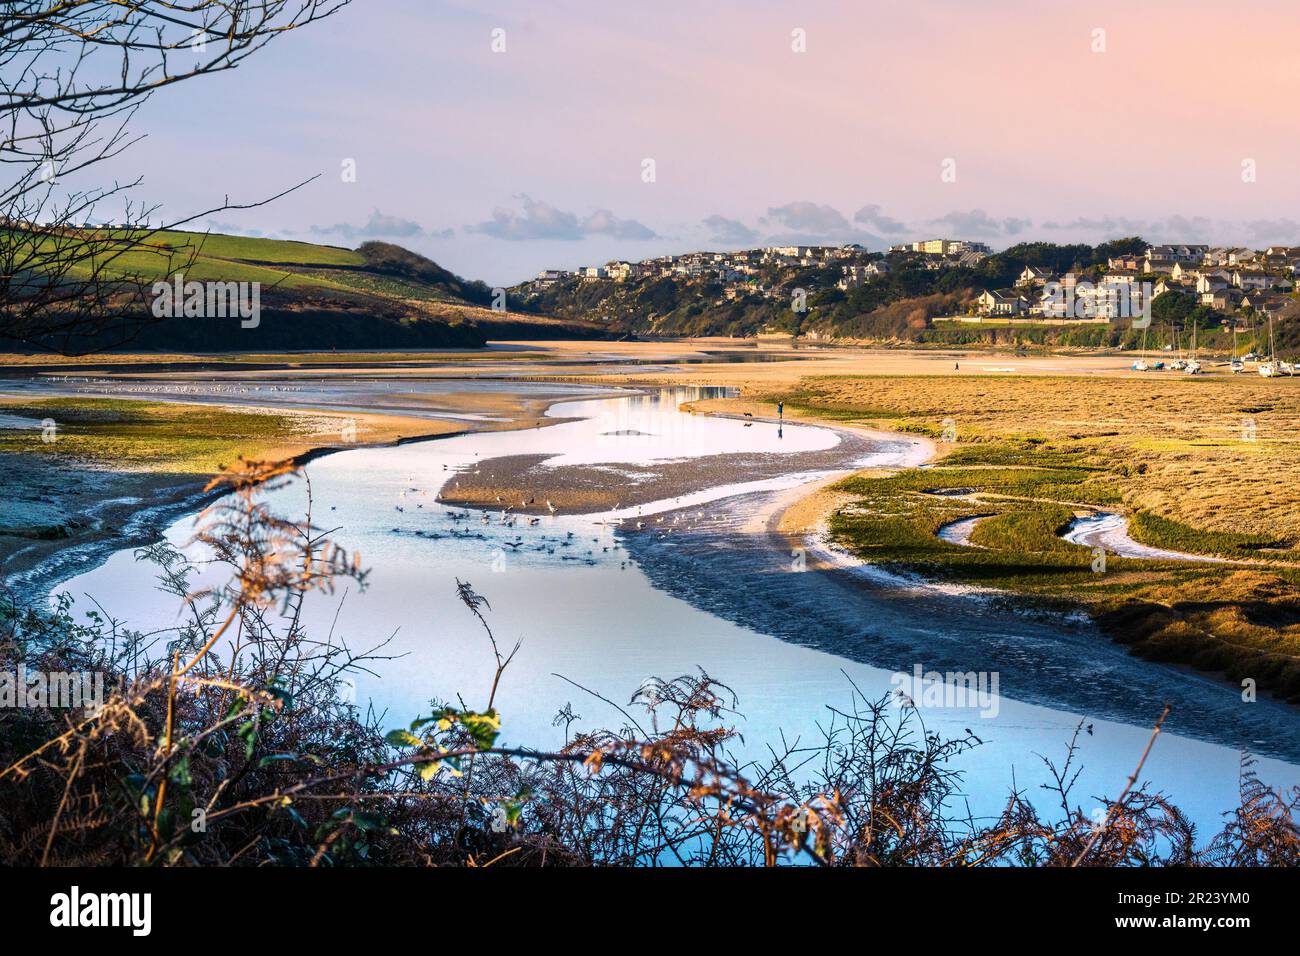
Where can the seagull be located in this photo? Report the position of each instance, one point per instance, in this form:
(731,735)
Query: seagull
(550,507)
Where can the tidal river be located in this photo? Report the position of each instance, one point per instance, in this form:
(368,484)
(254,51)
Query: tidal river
(697,579)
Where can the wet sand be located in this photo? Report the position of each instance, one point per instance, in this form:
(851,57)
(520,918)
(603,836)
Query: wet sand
(525,483)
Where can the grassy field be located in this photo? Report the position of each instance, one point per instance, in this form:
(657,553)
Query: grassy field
(284,264)
(277,251)
(311,297)
(1200,467)
(159,437)
(1207,453)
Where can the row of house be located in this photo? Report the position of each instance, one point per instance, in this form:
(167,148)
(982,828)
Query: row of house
(1164,260)
(1257,281)
(738,270)
(942,247)
(1040,294)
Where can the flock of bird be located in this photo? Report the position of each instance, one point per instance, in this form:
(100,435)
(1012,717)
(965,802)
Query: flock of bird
(118,386)
(459,522)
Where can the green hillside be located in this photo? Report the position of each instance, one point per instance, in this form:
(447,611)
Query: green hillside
(377,296)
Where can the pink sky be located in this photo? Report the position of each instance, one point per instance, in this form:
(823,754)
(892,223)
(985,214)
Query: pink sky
(449,137)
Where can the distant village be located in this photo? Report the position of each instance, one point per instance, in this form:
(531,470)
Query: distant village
(1225,279)
(738,270)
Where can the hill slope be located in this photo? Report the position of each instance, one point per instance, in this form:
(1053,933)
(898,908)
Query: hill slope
(378,296)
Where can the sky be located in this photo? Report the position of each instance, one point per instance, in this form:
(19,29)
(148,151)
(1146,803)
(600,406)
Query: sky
(618,130)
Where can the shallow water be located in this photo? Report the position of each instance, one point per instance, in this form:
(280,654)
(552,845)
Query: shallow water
(609,606)
(1110,531)
(298,390)
(959,531)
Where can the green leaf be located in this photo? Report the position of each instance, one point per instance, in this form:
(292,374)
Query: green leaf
(180,772)
(368,821)
(401,738)
(277,758)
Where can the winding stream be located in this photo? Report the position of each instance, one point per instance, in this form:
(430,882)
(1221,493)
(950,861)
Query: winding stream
(1110,531)
(713,586)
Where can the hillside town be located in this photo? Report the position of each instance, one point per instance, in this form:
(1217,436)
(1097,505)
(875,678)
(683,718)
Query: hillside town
(1227,279)
(739,270)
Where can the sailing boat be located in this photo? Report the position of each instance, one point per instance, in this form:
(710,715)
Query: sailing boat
(1237,365)
(1142,365)
(1178,364)
(1193,366)
(1272,367)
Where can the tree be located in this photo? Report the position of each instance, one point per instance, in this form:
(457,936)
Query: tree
(1207,317)
(1172,308)
(72,75)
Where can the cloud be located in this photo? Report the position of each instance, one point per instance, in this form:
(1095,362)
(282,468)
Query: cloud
(730,231)
(979,223)
(872,217)
(602,222)
(230,229)
(1269,232)
(1257,233)
(1106,224)
(541,220)
(379,224)
(810,218)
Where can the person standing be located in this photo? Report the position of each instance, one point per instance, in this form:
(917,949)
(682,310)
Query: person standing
(780,410)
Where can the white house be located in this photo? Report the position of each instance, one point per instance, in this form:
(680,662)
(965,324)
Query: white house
(1001,302)
(1253,280)
(1213,281)
(1034,275)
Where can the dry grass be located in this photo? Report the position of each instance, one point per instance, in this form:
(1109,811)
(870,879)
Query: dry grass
(1202,465)
(1176,446)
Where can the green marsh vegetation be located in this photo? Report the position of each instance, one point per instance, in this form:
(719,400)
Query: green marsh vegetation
(1033,453)
(154,436)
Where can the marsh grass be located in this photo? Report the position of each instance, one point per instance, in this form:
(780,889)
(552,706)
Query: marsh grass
(1170,453)
(165,437)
